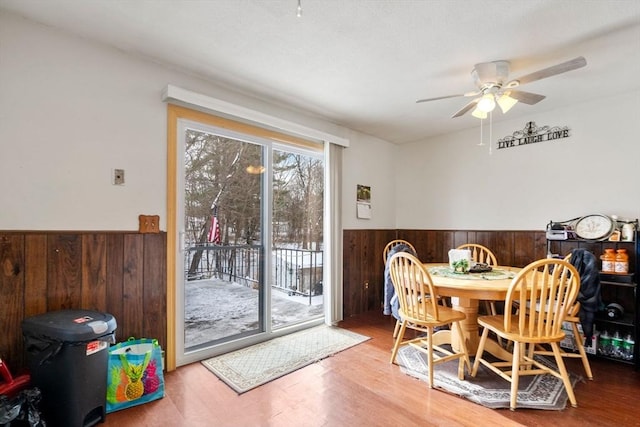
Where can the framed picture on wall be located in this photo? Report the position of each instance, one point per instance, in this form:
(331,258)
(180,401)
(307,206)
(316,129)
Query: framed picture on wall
(363,202)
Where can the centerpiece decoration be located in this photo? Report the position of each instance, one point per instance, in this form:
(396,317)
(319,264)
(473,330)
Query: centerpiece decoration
(460,260)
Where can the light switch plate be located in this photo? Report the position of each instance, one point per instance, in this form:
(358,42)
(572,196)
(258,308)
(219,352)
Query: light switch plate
(118,177)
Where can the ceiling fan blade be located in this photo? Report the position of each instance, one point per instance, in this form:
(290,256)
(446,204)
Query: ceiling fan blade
(437,98)
(466,108)
(526,97)
(573,64)
(474,93)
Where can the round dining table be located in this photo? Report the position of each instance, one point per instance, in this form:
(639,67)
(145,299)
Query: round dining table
(466,291)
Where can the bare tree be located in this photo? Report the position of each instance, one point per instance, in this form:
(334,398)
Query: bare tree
(298,193)
(227,174)
(211,173)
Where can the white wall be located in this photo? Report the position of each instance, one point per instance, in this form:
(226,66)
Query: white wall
(450,182)
(369,161)
(72,110)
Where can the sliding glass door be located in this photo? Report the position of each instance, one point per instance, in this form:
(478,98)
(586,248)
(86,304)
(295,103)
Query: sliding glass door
(250,218)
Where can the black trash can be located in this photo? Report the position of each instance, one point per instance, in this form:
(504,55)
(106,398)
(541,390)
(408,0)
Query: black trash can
(67,354)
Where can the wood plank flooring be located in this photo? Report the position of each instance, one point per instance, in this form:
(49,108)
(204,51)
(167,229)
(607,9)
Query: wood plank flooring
(358,387)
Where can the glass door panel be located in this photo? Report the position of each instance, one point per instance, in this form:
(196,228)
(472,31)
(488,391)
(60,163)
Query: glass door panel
(296,229)
(223,252)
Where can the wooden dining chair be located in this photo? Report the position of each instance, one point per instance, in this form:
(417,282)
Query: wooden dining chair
(391,244)
(573,319)
(385,255)
(420,311)
(483,254)
(550,285)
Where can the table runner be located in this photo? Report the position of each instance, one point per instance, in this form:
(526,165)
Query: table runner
(495,274)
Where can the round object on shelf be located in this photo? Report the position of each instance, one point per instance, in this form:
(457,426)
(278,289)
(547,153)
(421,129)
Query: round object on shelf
(594,227)
(615,311)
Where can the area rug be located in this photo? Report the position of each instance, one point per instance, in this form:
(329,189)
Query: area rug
(250,367)
(487,388)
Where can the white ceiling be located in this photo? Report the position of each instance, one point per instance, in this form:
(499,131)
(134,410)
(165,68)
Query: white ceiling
(363,63)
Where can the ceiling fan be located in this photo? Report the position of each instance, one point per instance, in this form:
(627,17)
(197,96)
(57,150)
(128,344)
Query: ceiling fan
(491,78)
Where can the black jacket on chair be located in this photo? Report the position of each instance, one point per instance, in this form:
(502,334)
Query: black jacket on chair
(589,297)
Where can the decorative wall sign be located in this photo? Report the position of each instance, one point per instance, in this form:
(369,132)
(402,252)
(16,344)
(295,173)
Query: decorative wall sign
(532,134)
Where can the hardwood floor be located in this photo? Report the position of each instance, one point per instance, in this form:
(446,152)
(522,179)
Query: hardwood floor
(358,387)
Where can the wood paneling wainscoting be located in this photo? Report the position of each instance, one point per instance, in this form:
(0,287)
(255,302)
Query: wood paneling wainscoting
(121,273)
(363,268)
(124,274)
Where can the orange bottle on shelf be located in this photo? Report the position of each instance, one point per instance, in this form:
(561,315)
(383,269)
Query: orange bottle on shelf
(622,262)
(608,261)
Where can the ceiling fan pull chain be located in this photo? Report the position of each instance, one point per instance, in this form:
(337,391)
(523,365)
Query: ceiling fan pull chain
(490,131)
(481,143)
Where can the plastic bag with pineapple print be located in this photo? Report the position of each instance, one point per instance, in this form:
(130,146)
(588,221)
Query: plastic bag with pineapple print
(135,373)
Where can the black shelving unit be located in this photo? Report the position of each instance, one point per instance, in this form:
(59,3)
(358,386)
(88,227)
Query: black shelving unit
(615,288)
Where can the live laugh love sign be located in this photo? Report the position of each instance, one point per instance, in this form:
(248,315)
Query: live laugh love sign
(532,134)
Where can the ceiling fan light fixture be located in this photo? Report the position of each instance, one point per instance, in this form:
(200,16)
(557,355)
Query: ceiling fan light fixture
(479,114)
(490,78)
(506,102)
(487,103)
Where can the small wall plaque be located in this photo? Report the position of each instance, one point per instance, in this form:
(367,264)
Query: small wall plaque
(149,224)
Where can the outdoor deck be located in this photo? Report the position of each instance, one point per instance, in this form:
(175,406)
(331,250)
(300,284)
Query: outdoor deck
(213,307)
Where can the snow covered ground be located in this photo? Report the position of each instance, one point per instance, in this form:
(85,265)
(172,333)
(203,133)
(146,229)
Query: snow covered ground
(216,308)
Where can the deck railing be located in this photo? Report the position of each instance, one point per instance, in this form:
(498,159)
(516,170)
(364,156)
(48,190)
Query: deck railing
(295,271)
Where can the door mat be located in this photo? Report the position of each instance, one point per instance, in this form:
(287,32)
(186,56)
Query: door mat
(250,367)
